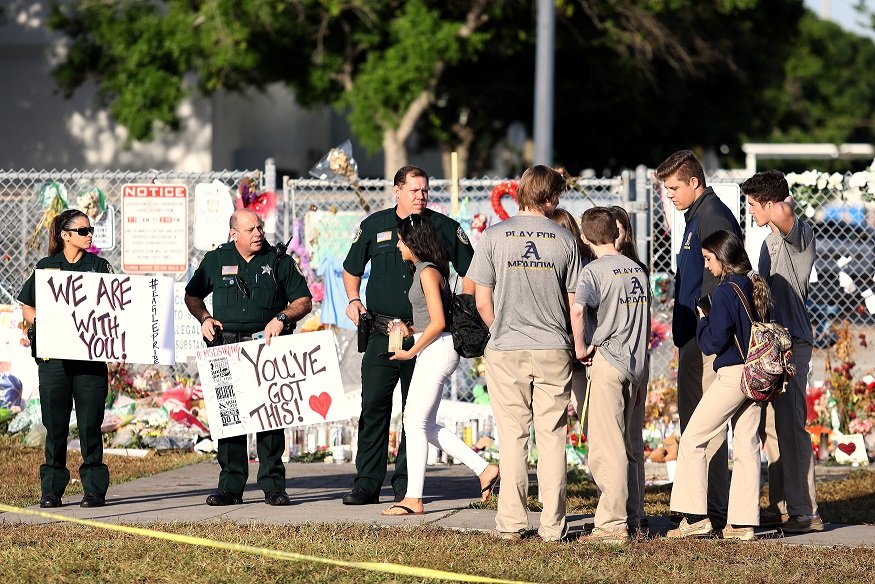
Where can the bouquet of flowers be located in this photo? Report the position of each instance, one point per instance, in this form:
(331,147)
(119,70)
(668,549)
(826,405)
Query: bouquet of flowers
(812,188)
(339,166)
(864,183)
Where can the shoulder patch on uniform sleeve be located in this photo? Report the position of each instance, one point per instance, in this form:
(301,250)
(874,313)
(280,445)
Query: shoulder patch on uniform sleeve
(109,268)
(463,237)
(358,233)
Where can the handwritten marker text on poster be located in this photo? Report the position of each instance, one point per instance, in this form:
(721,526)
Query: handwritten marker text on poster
(99,332)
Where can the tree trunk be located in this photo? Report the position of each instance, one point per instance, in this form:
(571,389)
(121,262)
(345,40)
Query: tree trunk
(394,157)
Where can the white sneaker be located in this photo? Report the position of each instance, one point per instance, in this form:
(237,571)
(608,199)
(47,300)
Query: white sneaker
(742,533)
(685,529)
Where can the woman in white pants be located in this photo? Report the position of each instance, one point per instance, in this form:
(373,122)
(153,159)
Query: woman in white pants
(436,359)
(723,331)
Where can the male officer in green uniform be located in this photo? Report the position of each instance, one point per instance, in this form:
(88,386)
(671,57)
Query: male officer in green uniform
(254,288)
(388,284)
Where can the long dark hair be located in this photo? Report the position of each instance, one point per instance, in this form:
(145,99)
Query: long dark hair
(422,238)
(564,218)
(627,246)
(59,224)
(729,251)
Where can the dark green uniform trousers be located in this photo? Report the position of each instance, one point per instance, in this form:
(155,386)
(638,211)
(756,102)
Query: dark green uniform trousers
(379,378)
(233,456)
(61,384)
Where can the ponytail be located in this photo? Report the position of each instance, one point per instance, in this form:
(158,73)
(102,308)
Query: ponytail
(59,224)
(762,296)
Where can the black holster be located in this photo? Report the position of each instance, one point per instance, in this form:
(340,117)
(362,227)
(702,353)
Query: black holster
(365,328)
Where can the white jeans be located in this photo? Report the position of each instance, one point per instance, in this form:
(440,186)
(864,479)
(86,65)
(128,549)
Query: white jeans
(433,366)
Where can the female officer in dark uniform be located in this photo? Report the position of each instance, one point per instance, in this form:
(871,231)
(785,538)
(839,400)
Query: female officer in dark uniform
(63,382)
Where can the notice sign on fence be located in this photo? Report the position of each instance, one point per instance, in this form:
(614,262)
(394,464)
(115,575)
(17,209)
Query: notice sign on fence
(252,387)
(154,228)
(104,317)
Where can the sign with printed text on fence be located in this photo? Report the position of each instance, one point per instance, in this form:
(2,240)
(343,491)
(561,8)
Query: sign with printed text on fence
(154,228)
(88,316)
(253,387)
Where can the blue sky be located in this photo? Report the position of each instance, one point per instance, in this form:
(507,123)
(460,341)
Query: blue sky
(842,12)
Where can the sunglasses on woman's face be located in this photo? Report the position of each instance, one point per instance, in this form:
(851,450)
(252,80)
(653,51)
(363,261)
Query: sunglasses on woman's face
(83,231)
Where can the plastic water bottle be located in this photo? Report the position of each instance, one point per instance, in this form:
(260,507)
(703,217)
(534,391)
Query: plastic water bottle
(395,336)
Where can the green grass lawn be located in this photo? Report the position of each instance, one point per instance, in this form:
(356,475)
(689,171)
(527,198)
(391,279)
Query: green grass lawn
(72,553)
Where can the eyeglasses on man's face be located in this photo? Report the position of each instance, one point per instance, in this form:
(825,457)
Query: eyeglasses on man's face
(83,231)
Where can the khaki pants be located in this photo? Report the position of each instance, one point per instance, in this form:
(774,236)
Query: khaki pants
(611,407)
(788,444)
(721,403)
(525,388)
(634,427)
(695,375)
(635,502)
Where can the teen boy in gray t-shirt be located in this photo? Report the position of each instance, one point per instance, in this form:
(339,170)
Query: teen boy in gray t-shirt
(610,318)
(525,270)
(786,261)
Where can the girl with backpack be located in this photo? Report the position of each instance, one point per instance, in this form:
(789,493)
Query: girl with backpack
(436,359)
(721,332)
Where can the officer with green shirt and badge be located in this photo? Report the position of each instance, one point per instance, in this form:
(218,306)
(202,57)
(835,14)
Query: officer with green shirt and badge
(389,282)
(63,382)
(255,288)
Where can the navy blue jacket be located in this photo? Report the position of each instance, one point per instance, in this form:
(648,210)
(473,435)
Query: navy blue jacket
(705,216)
(715,333)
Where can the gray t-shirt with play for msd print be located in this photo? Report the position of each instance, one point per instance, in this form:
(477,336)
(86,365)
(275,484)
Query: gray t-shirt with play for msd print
(614,290)
(531,264)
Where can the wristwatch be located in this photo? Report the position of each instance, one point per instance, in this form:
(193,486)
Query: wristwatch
(282,317)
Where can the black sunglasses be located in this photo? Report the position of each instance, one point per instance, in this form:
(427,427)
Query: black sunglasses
(241,285)
(83,231)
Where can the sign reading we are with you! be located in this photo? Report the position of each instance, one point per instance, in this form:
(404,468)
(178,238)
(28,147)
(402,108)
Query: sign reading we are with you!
(252,387)
(88,316)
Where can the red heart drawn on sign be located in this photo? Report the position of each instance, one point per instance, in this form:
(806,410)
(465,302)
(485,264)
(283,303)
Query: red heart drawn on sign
(320,404)
(848,448)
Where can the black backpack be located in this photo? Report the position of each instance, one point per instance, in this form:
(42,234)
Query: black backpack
(470,333)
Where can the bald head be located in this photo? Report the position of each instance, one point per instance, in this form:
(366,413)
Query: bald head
(247,232)
(236,215)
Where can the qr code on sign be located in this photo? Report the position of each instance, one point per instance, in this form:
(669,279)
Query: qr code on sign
(220,370)
(228,410)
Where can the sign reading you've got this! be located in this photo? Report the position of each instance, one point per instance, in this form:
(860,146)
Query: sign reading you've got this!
(252,387)
(88,316)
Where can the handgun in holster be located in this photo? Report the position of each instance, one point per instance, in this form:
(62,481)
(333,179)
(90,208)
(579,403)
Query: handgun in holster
(365,327)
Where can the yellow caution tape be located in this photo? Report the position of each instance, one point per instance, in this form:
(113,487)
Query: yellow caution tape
(384,567)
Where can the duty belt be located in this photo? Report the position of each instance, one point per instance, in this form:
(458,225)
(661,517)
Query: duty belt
(382,322)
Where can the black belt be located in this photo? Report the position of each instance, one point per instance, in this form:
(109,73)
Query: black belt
(382,322)
(226,338)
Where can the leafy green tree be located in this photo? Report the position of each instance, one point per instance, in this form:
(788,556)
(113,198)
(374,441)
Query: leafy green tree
(380,60)
(828,91)
(635,80)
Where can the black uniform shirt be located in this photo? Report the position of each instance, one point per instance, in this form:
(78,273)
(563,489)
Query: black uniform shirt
(376,241)
(87,263)
(247,295)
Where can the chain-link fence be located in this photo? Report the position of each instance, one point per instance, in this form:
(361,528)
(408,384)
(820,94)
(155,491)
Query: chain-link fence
(327,214)
(320,217)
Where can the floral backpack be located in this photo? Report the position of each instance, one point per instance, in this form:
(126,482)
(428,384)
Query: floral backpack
(768,361)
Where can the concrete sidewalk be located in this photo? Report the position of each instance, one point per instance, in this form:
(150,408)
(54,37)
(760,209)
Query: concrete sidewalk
(316,489)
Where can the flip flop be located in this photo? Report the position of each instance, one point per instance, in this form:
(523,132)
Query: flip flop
(489,488)
(407,511)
